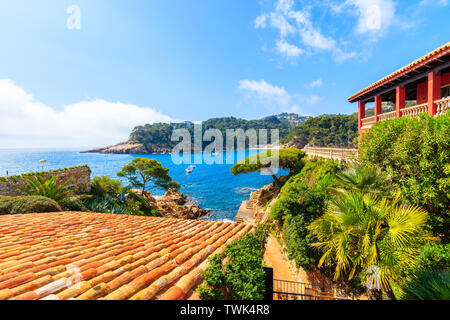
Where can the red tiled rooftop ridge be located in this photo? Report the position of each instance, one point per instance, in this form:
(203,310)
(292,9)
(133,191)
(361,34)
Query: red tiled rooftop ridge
(90,256)
(435,54)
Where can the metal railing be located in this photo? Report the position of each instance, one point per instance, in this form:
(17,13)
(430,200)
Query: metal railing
(290,290)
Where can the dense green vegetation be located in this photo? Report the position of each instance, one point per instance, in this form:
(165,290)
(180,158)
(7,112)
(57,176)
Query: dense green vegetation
(288,159)
(415,154)
(27,204)
(106,195)
(110,196)
(428,278)
(160,134)
(241,275)
(360,230)
(302,199)
(376,223)
(324,131)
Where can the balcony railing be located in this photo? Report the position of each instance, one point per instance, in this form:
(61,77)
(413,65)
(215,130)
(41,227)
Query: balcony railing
(332,153)
(414,111)
(367,122)
(443,106)
(386,116)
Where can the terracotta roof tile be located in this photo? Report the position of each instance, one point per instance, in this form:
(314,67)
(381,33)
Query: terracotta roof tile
(88,256)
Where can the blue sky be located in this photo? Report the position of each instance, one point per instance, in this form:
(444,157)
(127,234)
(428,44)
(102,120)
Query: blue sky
(133,62)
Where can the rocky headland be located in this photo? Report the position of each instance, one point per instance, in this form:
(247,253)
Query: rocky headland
(130,147)
(174,204)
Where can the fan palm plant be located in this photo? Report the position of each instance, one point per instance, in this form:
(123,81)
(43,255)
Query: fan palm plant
(360,231)
(361,179)
(37,186)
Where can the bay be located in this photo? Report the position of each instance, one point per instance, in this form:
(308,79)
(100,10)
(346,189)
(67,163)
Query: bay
(212,186)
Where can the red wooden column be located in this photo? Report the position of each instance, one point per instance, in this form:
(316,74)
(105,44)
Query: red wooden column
(399,101)
(377,107)
(361,114)
(434,91)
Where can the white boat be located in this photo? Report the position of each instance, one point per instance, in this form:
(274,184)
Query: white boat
(188,170)
(192,167)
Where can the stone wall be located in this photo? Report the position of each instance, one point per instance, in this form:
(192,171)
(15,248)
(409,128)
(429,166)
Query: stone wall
(81,180)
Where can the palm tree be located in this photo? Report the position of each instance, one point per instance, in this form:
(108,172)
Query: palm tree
(37,186)
(364,234)
(361,179)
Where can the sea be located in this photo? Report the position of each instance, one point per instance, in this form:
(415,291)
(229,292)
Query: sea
(211,186)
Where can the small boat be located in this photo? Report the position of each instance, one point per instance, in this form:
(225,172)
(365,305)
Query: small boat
(192,167)
(188,170)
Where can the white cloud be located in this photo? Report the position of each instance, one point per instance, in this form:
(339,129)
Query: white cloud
(261,21)
(266,93)
(273,98)
(297,24)
(313,99)
(435,3)
(315,84)
(96,123)
(317,40)
(374,16)
(279,21)
(289,50)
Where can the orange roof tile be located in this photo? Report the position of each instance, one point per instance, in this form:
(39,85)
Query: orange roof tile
(89,256)
(435,54)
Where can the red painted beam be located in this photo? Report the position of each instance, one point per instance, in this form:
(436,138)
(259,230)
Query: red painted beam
(399,101)
(434,91)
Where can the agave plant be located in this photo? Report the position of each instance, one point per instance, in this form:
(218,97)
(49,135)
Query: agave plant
(359,231)
(37,186)
(428,285)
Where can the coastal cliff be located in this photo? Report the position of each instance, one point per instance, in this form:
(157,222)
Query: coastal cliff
(130,147)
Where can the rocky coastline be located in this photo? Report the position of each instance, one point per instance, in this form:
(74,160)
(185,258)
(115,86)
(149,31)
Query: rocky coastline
(130,147)
(174,204)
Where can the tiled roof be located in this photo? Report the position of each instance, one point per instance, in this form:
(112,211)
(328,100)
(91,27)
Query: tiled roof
(89,256)
(435,54)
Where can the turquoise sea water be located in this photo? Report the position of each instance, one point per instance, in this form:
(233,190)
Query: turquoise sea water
(211,186)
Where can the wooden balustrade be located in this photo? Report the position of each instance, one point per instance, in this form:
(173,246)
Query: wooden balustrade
(387,116)
(442,106)
(414,111)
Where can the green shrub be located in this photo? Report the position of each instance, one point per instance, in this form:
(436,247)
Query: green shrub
(27,204)
(298,241)
(242,276)
(102,185)
(415,153)
(434,257)
(302,199)
(73,204)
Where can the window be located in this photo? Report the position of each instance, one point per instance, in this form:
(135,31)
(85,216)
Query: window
(445,92)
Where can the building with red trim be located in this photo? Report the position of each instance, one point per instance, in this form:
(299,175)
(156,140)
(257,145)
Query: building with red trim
(422,86)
